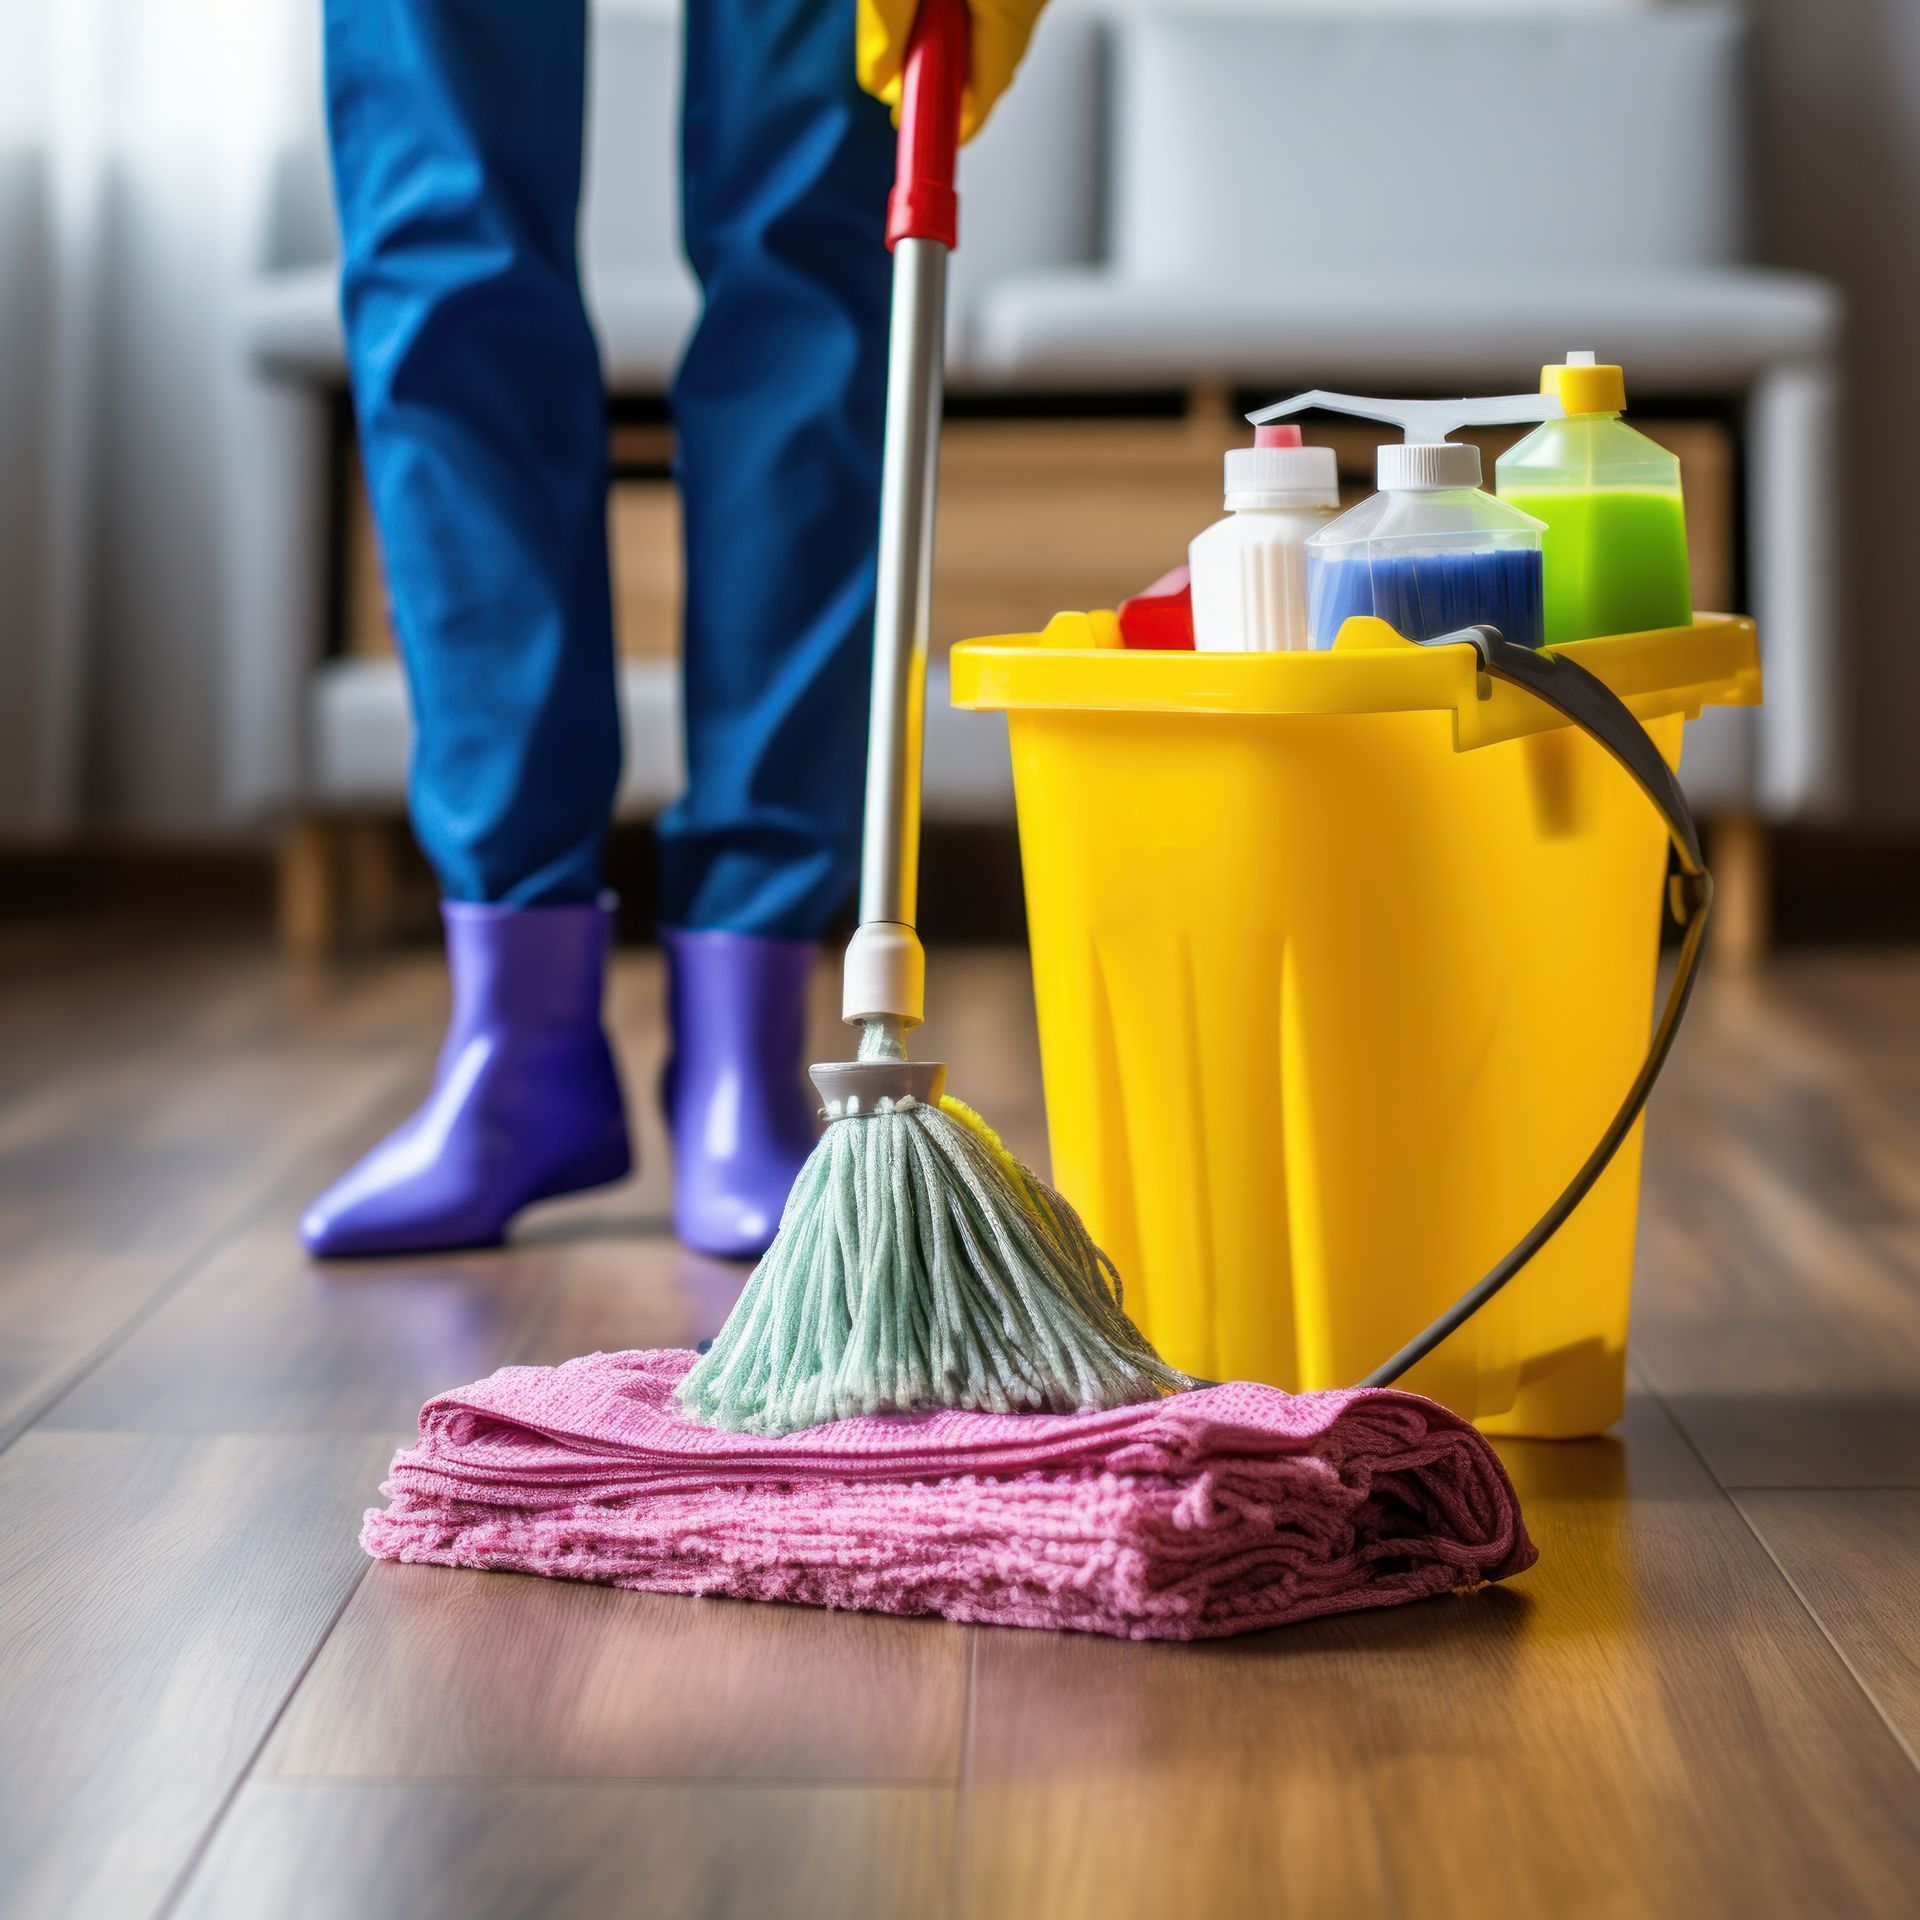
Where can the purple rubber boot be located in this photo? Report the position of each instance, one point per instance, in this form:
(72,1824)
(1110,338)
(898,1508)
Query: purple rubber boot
(525,1104)
(738,1104)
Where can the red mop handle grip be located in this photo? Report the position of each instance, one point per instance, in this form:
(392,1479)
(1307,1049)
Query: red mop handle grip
(923,205)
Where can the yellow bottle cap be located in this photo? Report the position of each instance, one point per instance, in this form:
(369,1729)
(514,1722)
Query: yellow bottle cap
(1583,387)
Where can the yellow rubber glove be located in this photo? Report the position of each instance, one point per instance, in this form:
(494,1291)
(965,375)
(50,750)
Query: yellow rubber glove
(1001,30)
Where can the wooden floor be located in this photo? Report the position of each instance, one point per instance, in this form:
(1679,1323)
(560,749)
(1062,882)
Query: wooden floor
(1705,1700)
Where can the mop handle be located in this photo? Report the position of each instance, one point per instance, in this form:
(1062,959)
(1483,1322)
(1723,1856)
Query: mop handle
(1592,706)
(923,204)
(921,229)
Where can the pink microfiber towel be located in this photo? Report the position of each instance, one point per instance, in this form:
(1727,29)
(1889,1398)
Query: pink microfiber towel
(1208,1513)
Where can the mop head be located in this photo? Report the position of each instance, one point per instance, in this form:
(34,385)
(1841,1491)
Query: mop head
(920,1265)
(1193,1517)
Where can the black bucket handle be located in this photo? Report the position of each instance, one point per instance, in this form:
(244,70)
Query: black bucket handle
(1592,706)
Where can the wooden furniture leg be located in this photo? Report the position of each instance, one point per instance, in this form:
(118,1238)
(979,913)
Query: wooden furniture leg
(1210,413)
(369,880)
(1740,852)
(309,905)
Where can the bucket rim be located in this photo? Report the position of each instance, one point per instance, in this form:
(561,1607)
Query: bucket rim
(1075,666)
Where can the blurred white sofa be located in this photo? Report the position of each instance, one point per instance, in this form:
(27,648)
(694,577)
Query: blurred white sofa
(1262,200)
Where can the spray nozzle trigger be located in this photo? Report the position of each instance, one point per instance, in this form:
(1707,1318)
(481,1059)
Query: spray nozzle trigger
(1422,422)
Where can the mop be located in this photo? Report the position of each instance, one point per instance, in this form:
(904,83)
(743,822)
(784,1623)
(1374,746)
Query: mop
(918,1263)
(1192,1517)
(929,1398)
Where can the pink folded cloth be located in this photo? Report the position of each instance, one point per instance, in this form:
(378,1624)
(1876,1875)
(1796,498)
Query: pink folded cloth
(1208,1513)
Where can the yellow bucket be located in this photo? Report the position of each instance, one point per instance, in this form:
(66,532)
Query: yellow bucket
(1343,962)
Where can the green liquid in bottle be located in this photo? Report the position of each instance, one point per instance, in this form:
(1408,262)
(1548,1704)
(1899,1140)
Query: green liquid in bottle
(1615,558)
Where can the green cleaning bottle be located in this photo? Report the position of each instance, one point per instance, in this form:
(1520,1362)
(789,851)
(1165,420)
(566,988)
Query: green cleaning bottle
(1615,552)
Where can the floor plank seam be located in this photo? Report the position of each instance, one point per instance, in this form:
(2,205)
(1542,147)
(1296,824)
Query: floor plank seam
(1390,1905)
(963,1788)
(705,1782)
(1842,1486)
(1859,1680)
(191,1865)
(1383,1857)
(1786,1579)
(191,1267)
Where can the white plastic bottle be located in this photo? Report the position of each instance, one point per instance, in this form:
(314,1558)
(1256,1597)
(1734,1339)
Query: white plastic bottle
(1250,569)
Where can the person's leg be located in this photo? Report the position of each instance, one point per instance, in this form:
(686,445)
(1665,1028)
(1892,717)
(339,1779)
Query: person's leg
(779,405)
(779,408)
(456,129)
(456,132)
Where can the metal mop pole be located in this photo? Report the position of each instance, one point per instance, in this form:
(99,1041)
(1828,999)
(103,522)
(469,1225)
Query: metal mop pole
(885,977)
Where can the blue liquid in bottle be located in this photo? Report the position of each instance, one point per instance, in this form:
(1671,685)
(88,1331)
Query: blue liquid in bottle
(1423,595)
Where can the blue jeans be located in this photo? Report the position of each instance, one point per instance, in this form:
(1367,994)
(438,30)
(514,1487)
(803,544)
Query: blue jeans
(456,138)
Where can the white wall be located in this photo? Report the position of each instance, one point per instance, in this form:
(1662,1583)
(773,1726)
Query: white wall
(1838,165)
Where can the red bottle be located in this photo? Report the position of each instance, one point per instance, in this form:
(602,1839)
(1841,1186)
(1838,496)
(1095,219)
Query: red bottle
(1160,617)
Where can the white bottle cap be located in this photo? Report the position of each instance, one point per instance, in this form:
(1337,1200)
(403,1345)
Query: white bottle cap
(1282,476)
(1422,466)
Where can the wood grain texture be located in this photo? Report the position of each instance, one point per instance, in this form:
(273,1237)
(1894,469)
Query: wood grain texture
(1687,1708)
(158,1600)
(262,1339)
(434,1672)
(1648,1723)
(299,1851)
(1777,1300)
(147,1111)
(1853,1555)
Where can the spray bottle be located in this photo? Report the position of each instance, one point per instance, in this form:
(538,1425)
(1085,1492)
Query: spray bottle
(1616,541)
(1430,552)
